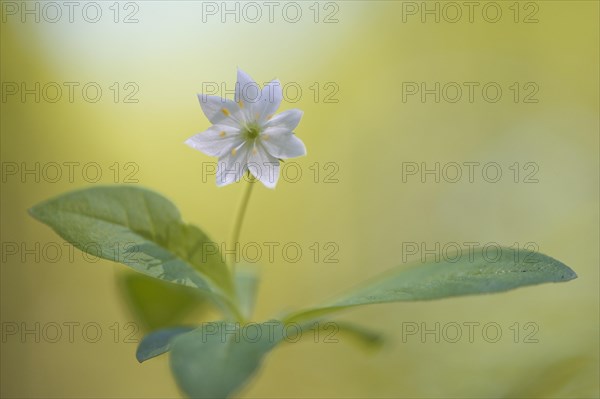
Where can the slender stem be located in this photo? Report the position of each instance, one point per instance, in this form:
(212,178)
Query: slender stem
(239,218)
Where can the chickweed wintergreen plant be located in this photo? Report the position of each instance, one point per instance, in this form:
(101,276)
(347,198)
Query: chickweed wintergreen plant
(209,360)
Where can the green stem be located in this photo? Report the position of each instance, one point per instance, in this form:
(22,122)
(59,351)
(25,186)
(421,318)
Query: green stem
(239,218)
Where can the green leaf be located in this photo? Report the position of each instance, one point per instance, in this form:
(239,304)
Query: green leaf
(328,332)
(368,338)
(217,359)
(158,342)
(478,273)
(157,304)
(140,229)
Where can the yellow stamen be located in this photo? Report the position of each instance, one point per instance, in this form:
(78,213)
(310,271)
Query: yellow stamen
(269,117)
(233,152)
(222,134)
(241,104)
(225,112)
(254,152)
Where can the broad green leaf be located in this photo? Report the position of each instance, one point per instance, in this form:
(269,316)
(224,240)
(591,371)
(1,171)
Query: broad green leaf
(158,342)
(478,273)
(217,359)
(157,304)
(140,229)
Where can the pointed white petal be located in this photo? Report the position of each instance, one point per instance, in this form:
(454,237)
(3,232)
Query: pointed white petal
(281,143)
(220,110)
(216,140)
(233,165)
(270,99)
(288,119)
(247,91)
(263,166)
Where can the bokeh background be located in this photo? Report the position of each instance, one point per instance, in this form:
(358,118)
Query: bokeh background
(364,54)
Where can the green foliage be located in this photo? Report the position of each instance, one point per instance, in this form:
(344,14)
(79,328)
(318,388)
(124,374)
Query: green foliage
(144,231)
(158,342)
(368,338)
(217,359)
(480,274)
(246,285)
(156,304)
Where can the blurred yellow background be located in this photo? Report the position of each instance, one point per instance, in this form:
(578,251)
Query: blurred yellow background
(363,58)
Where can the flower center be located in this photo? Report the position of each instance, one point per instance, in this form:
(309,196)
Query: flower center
(251,131)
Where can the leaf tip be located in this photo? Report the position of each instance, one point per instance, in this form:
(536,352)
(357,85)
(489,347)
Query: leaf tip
(139,356)
(33,211)
(563,272)
(569,274)
(37,211)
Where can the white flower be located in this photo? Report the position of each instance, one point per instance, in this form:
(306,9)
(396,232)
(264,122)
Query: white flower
(246,134)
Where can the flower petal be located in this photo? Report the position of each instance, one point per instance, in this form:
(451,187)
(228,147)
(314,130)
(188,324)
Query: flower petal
(233,164)
(216,140)
(288,119)
(281,143)
(263,166)
(247,90)
(270,100)
(220,110)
